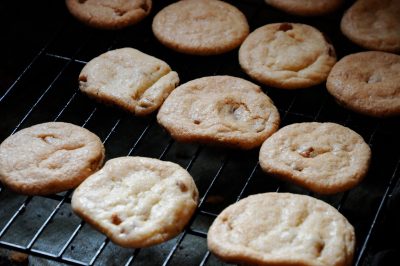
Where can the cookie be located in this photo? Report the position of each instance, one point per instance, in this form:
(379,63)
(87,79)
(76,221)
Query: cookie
(367,83)
(323,157)
(136,201)
(49,158)
(105,14)
(282,229)
(306,7)
(128,78)
(200,27)
(219,110)
(373,24)
(287,56)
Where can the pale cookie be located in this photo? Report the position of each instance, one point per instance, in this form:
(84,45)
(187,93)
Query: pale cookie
(220,110)
(287,56)
(128,78)
(373,24)
(136,201)
(282,229)
(200,27)
(105,14)
(306,7)
(368,83)
(323,157)
(49,158)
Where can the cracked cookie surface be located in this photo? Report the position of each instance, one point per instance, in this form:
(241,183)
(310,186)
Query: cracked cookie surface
(367,83)
(323,157)
(136,201)
(128,78)
(282,229)
(200,27)
(221,110)
(287,56)
(105,14)
(49,158)
(306,7)
(373,24)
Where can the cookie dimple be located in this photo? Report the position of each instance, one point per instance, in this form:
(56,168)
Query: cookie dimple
(282,229)
(369,88)
(200,27)
(287,55)
(373,24)
(136,201)
(220,110)
(105,14)
(128,78)
(49,158)
(323,157)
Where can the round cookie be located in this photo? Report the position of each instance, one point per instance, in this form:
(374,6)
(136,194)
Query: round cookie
(220,110)
(49,158)
(287,56)
(200,27)
(282,229)
(373,24)
(136,201)
(128,78)
(104,14)
(367,83)
(306,7)
(323,157)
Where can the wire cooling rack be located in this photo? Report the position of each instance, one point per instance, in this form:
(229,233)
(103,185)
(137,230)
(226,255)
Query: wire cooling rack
(45,89)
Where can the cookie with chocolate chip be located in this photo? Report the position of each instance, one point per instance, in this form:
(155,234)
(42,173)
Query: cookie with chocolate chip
(367,83)
(137,201)
(325,158)
(287,55)
(306,7)
(129,79)
(219,110)
(200,27)
(282,229)
(373,24)
(104,14)
(49,158)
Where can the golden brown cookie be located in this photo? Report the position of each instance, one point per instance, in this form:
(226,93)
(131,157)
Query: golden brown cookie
(323,157)
(128,78)
(306,7)
(200,27)
(287,56)
(136,201)
(367,83)
(220,110)
(104,14)
(373,24)
(49,158)
(282,229)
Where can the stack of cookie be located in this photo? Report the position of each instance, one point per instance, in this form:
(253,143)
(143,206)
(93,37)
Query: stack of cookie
(139,202)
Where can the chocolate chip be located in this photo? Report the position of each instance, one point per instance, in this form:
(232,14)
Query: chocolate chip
(182,186)
(83,78)
(115,219)
(308,153)
(285,27)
